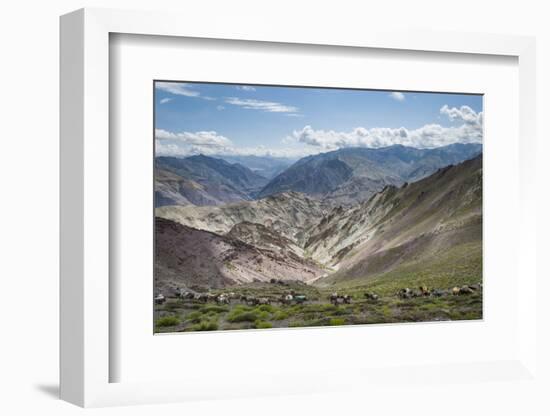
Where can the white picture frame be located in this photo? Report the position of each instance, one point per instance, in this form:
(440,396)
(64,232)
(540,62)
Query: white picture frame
(85,210)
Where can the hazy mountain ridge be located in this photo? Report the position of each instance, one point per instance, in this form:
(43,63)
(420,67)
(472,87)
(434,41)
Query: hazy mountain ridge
(342,177)
(350,175)
(203,180)
(266,166)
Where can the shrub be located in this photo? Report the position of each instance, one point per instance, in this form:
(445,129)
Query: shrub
(263,315)
(168,321)
(242,316)
(262,324)
(295,309)
(205,326)
(386,311)
(280,315)
(265,308)
(337,321)
(194,316)
(214,308)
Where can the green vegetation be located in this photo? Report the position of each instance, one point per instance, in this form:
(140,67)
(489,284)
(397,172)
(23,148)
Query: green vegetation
(214,308)
(263,324)
(168,321)
(194,317)
(280,315)
(265,308)
(210,325)
(317,311)
(460,265)
(240,315)
(337,321)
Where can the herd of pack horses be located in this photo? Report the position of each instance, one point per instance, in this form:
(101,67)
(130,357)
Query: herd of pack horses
(294,298)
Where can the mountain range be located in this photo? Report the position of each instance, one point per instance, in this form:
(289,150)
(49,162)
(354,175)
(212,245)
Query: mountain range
(432,222)
(350,175)
(342,177)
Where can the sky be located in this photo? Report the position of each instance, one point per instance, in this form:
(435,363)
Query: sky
(229,119)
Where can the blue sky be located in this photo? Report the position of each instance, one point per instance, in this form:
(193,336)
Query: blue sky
(193,118)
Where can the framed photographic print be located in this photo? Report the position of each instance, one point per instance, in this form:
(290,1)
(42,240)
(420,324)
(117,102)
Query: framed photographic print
(337,224)
(296,212)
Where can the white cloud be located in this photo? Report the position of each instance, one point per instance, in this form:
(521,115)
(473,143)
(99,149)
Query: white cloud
(180,88)
(177,88)
(464,114)
(427,136)
(168,149)
(210,143)
(398,96)
(199,138)
(166,100)
(163,148)
(246,88)
(266,106)
(220,107)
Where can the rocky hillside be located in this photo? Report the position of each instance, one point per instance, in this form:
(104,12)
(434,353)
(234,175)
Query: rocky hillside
(413,223)
(191,258)
(203,180)
(290,214)
(351,175)
(258,235)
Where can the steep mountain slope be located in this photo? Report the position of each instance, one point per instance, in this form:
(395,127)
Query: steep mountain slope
(316,176)
(187,257)
(172,189)
(399,226)
(350,175)
(204,181)
(289,214)
(258,235)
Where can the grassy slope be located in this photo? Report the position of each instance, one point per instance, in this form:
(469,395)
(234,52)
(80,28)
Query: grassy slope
(460,265)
